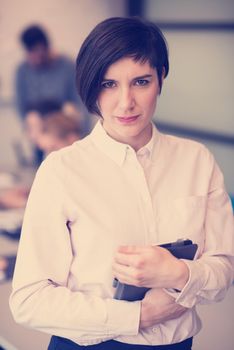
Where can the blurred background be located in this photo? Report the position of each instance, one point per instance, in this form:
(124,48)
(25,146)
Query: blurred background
(196,102)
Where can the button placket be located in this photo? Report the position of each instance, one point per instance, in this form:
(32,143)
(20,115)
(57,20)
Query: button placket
(136,174)
(146,203)
(136,177)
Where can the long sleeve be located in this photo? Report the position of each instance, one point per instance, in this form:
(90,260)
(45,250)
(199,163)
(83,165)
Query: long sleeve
(41,298)
(212,273)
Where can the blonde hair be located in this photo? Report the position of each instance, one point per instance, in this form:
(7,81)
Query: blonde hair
(61,125)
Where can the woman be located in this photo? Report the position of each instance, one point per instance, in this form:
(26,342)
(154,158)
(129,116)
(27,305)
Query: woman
(98,210)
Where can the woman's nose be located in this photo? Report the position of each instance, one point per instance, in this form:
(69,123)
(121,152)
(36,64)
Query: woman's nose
(126,100)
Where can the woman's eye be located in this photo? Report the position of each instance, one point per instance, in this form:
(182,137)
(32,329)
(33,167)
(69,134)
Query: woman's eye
(142,82)
(108,84)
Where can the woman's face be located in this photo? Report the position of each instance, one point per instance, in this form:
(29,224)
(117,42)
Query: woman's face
(127,101)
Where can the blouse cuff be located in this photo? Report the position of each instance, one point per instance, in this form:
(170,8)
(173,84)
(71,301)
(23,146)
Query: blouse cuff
(187,297)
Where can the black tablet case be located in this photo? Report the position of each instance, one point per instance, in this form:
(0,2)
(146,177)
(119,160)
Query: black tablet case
(181,249)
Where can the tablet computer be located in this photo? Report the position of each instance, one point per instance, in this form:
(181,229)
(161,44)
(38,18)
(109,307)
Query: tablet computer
(181,249)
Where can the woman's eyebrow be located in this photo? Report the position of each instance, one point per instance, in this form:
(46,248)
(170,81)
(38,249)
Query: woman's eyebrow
(135,78)
(143,76)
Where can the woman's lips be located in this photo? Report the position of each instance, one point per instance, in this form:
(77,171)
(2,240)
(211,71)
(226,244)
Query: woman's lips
(127,120)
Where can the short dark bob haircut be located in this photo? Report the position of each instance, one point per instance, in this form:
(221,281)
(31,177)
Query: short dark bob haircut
(111,40)
(32,36)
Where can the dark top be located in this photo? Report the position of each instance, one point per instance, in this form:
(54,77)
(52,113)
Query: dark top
(54,81)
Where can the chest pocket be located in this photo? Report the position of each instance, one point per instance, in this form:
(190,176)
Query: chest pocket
(184,217)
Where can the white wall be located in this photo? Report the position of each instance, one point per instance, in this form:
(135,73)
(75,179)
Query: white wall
(199,89)
(187,10)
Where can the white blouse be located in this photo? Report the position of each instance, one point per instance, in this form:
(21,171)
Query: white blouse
(91,197)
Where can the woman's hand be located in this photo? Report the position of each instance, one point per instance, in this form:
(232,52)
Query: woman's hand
(157,307)
(150,266)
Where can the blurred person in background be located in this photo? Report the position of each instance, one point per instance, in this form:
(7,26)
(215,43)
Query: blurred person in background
(58,130)
(49,131)
(33,123)
(7,264)
(45,75)
(13,198)
(50,126)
